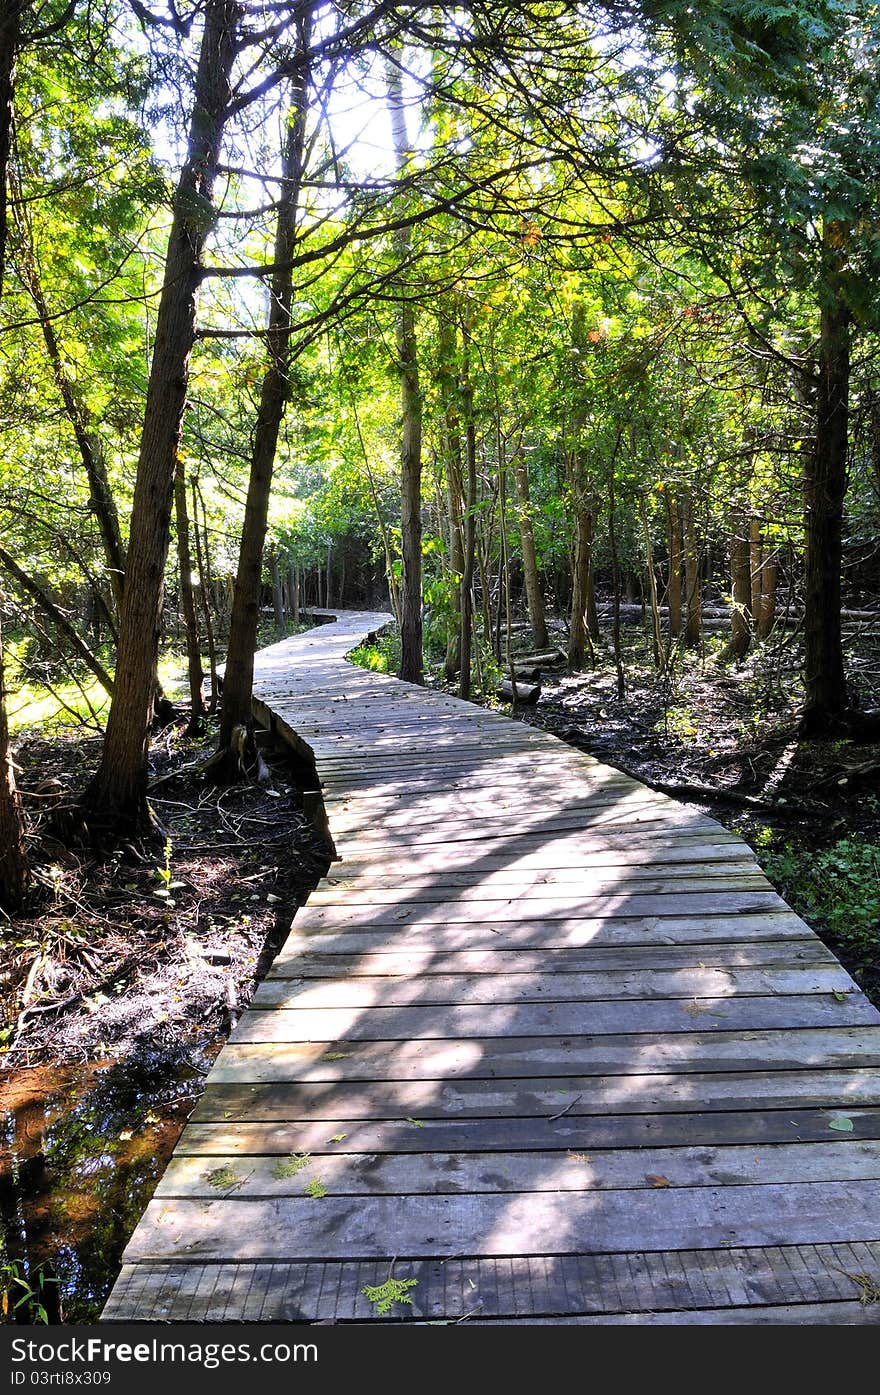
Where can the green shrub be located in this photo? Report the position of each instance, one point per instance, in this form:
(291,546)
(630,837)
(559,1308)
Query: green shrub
(837,889)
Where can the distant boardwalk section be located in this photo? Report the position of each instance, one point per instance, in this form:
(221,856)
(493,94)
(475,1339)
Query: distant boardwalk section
(544,1047)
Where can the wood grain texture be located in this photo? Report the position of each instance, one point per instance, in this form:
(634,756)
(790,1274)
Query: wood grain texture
(546,1036)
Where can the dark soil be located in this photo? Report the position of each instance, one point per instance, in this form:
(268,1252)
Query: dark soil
(120,985)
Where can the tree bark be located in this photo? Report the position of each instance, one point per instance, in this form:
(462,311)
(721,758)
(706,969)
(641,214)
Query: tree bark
(236,707)
(693,599)
(446,382)
(824,493)
(411,661)
(187,603)
(117,797)
(14,870)
(203,567)
(277,596)
(756,565)
(470,532)
(673,589)
(580,633)
(766,617)
(742,591)
(531,575)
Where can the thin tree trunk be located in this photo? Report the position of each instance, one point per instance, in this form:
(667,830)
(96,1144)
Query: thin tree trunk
(58,618)
(742,590)
(277,597)
(202,566)
(236,709)
(766,617)
(101,500)
(583,598)
(116,800)
(615,580)
(446,381)
(411,661)
(756,564)
(531,575)
(14,870)
(824,491)
(693,599)
(187,602)
(470,532)
(656,628)
(673,589)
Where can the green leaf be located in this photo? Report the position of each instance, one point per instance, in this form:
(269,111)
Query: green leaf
(841,1123)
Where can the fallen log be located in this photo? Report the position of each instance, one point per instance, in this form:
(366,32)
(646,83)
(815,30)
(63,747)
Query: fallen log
(520,692)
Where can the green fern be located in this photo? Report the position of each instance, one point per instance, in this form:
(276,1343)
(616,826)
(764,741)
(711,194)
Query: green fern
(392,1291)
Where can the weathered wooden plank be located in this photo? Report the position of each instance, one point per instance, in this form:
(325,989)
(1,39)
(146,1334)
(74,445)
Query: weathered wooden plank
(562,859)
(551,934)
(534,847)
(361,892)
(404,879)
(796,1280)
(540,1099)
(606,906)
(692,984)
(619,814)
(524,1223)
(802,1314)
(537,1019)
(345,1173)
(824,1047)
(317,962)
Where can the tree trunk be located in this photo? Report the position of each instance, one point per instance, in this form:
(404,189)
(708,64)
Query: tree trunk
(673,590)
(693,599)
(766,617)
(14,871)
(579,635)
(742,591)
(446,382)
(236,709)
(117,797)
(277,597)
(187,602)
(531,575)
(656,629)
(756,565)
(615,580)
(470,534)
(824,493)
(411,660)
(101,500)
(203,566)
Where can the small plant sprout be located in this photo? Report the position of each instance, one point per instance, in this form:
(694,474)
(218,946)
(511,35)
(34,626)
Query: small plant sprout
(383,1296)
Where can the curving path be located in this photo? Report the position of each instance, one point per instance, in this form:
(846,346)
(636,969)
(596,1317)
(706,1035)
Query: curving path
(546,1041)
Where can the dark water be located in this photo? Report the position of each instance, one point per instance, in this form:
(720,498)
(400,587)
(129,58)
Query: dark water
(81,1151)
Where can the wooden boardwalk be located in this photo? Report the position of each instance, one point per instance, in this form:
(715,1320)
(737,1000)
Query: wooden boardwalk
(547,1041)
